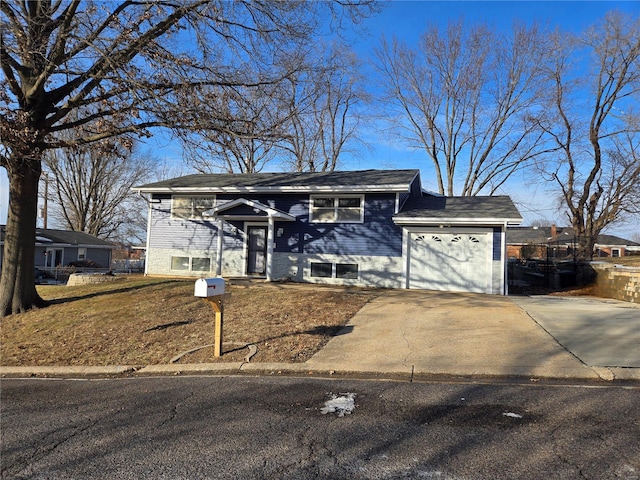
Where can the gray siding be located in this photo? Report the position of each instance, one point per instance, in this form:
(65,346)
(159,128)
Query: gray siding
(178,233)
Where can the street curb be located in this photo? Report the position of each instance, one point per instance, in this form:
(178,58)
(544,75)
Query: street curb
(603,375)
(59,371)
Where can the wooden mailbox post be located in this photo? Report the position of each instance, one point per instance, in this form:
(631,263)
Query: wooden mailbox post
(211,290)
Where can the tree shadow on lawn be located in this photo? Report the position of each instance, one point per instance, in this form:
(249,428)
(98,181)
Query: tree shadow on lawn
(59,301)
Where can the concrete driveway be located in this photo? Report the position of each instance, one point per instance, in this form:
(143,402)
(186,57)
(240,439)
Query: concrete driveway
(600,332)
(423,333)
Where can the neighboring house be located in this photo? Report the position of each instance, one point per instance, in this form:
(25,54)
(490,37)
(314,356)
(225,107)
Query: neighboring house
(367,228)
(60,248)
(538,242)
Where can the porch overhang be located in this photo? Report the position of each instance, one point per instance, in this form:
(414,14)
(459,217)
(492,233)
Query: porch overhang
(242,209)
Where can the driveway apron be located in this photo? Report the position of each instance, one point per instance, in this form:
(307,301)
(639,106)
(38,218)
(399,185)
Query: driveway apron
(418,332)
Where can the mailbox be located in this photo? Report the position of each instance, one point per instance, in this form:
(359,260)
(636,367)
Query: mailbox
(209,287)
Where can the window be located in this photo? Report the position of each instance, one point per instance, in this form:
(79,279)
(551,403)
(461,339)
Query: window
(321,269)
(342,270)
(346,270)
(82,253)
(348,209)
(195,264)
(615,252)
(179,263)
(192,207)
(201,264)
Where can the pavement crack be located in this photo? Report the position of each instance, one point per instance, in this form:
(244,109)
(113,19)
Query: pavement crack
(57,437)
(175,410)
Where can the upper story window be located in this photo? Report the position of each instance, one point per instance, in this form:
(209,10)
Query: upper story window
(192,207)
(336,209)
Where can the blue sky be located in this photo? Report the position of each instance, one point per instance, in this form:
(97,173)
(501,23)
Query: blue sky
(406,20)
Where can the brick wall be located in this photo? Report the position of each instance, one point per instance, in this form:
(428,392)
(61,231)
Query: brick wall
(621,283)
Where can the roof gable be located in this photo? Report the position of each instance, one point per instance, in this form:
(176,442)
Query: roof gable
(241,208)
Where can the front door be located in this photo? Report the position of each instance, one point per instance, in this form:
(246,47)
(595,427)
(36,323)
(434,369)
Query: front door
(257,250)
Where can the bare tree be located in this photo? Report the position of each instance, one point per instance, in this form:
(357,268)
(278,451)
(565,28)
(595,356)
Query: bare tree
(464,97)
(235,129)
(109,69)
(92,188)
(594,121)
(323,103)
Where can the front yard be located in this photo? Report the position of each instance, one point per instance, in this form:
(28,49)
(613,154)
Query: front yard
(145,321)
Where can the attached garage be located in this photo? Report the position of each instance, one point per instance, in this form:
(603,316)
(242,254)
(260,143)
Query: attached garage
(456,243)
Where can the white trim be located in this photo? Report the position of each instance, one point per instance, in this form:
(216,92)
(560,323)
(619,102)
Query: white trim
(269,257)
(378,188)
(504,285)
(270,211)
(406,257)
(148,242)
(220,242)
(455,222)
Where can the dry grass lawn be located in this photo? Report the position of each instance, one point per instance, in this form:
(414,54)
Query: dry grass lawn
(145,321)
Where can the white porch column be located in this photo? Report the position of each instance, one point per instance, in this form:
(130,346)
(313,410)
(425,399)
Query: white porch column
(219,249)
(270,242)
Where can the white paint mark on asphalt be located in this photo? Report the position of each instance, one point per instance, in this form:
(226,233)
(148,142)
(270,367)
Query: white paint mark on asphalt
(342,404)
(512,415)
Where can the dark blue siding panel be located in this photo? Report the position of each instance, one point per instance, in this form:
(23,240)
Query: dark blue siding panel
(416,187)
(378,235)
(497,243)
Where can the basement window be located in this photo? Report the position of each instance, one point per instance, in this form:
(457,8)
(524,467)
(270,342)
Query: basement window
(346,270)
(179,263)
(201,264)
(321,269)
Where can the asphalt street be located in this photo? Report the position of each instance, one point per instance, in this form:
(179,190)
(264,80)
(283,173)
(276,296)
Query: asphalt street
(274,427)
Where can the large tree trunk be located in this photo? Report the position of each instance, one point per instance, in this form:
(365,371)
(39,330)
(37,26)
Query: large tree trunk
(17,283)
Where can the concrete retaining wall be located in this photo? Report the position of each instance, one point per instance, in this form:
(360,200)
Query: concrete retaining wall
(621,283)
(88,278)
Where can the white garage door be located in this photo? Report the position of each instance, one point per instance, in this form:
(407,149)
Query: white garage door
(457,262)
